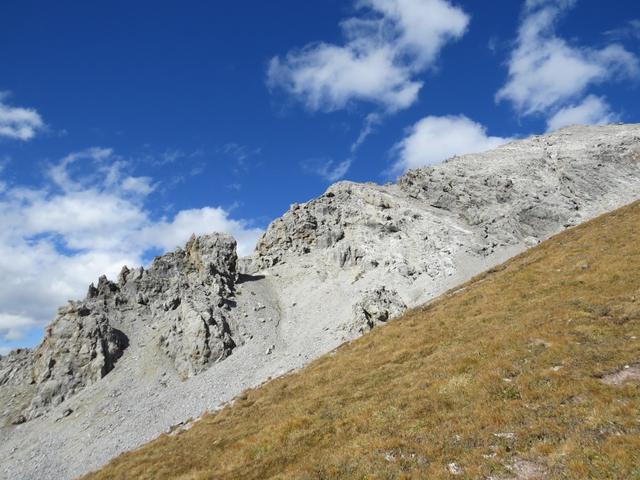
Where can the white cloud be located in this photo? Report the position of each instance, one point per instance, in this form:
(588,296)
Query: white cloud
(139,185)
(87,220)
(11,326)
(166,234)
(434,139)
(546,72)
(327,77)
(61,176)
(591,111)
(18,123)
(384,49)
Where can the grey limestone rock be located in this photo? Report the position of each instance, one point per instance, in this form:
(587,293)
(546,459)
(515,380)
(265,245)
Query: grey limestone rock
(80,347)
(477,204)
(16,388)
(185,294)
(375,307)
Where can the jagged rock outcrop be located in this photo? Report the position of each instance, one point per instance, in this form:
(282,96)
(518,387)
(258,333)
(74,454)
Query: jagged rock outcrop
(203,325)
(16,387)
(316,224)
(185,295)
(79,348)
(375,307)
(14,367)
(188,292)
(354,225)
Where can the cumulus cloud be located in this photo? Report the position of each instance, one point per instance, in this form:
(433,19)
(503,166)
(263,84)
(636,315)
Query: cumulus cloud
(139,185)
(384,49)
(89,218)
(546,73)
(434,139)
(11,325)
(166,234)
(18,123)
(592,110)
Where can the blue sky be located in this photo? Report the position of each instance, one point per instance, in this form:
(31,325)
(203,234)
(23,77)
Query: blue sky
(126,126)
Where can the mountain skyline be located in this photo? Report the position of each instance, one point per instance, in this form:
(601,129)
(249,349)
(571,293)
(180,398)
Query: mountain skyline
(125,128)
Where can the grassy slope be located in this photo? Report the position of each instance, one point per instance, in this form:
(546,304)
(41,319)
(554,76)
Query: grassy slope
(518,350)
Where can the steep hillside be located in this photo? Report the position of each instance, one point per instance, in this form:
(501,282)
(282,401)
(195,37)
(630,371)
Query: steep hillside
(159,345)
(531,370)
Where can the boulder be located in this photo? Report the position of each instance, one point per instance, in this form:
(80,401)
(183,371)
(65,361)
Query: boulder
(375,307)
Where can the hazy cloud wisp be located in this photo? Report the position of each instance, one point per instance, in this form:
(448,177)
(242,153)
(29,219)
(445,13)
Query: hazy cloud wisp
(592,110)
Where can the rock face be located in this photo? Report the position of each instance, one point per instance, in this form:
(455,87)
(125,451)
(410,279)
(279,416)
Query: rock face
(162,345)
(186,295)
(16,389)
(79,348)
(521,192)
(376,307)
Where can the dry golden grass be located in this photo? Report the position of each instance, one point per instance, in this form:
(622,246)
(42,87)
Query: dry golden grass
(502,371)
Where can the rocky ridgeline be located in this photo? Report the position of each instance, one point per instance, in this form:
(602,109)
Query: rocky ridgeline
(392,236)
(361,225)
(527,189)
(521,192)
(161,345)
(185,294)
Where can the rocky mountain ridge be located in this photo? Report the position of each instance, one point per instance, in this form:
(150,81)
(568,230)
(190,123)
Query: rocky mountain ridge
(161,345)
(184,294)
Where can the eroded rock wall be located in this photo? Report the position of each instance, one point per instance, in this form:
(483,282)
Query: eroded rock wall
(185,294)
